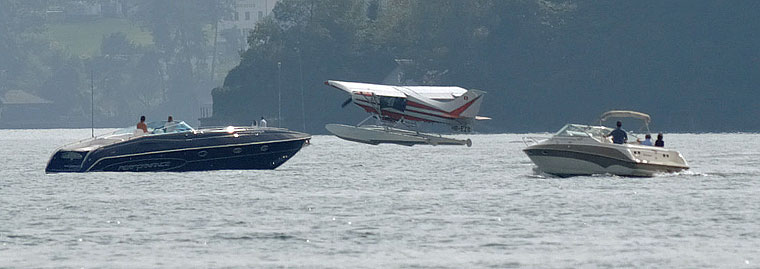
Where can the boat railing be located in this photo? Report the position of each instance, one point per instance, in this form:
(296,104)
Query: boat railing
(532,140)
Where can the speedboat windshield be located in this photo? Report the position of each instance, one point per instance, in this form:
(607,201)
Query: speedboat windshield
(579,130)
(162,127)
(157,127)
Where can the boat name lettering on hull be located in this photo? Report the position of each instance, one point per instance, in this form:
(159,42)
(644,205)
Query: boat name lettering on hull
(143,166)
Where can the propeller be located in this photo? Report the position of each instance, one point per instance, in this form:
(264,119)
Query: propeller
(346,103)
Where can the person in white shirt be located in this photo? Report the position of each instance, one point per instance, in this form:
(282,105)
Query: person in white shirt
(170,125)
(262,122)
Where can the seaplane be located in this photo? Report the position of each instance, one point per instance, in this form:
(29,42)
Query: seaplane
(397,110)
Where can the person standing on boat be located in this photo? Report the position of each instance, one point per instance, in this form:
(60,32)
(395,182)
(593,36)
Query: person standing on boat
(141,125)
(263,122)
(619,136)
(659,142)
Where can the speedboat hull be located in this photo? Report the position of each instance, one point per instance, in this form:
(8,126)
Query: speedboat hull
(623,160)
(212,149)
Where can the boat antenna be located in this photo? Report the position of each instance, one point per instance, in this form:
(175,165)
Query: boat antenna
(92,103)
(300,72)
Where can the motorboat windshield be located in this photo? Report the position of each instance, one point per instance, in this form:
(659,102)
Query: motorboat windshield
(157,127)
(600,133)
(162,127)
(579,130)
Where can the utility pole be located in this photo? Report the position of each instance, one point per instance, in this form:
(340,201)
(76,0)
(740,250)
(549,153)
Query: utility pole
(92,102)
(279,94)
(303,110)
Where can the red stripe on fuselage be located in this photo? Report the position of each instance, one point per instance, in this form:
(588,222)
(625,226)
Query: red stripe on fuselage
(418,105)
(461,109)
(393,115)
(371,109)
(444,116)
(367,108)
(453,114)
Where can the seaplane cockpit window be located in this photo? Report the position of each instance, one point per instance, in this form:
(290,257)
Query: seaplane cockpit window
(397,103)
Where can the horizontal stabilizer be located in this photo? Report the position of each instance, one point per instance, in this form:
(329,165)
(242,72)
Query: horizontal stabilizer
(482,118)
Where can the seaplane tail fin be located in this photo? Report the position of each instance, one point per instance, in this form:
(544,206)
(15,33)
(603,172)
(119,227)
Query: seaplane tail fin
(467,105)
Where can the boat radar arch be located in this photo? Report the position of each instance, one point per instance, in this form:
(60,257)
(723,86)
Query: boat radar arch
(625,114)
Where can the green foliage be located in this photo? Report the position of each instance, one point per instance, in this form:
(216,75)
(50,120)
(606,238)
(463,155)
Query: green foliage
(688,63)
(156,61)
(84,38)
(312,41)
(20,43)
(179,30)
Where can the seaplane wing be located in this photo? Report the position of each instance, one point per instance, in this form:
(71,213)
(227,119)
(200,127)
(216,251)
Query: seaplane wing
(438,92)
(432,92)
(451,105)
(359,88)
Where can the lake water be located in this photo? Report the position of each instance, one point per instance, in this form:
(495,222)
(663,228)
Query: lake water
(348,205)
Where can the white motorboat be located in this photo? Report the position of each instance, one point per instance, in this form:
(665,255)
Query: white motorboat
(578,149)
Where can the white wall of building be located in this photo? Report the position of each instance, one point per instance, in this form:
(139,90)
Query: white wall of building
(246,14)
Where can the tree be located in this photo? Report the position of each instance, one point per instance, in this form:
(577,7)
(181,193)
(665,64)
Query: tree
(180,33)
(312,41)
(20,44)
(536,59)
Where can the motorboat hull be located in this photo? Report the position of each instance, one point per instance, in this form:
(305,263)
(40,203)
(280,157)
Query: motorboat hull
(200,151)
(374,135)
(575,160)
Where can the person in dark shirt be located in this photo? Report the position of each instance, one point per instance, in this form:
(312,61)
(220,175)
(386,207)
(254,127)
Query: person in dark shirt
(619,136)
(659,142)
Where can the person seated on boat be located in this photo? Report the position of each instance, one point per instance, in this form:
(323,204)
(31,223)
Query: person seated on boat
(659,142)
(170,125)
(263,122)
(647,140)
(141,125)
(619,136)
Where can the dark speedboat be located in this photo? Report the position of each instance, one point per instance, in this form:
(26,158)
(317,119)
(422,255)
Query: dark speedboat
(176,147)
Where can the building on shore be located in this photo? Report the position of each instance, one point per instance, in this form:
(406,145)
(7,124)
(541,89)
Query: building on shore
(245,15)
(22,110)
